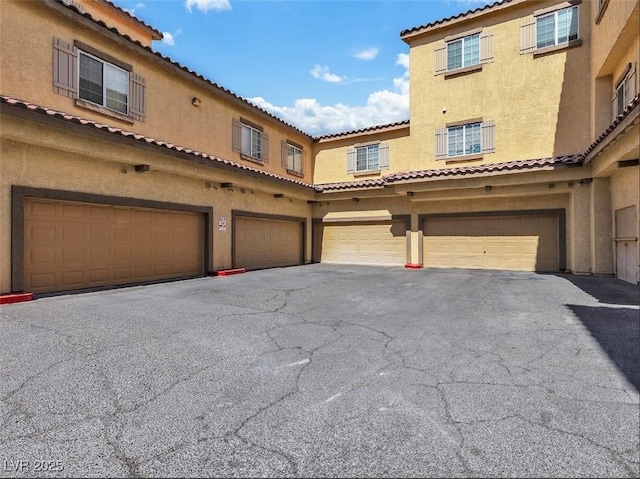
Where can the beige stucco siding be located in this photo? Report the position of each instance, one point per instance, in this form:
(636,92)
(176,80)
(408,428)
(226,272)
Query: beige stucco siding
(536,102)
(331,156)
(169,180)
(27,36)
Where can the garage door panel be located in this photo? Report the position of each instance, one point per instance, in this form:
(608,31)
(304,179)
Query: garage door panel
(267,243)
(521,243)
(79,245)
(364,243)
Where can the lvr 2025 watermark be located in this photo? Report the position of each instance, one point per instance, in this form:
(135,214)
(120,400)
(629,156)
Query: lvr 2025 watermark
(37,465)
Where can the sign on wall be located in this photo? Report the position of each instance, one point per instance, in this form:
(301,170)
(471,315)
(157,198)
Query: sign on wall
(222,224)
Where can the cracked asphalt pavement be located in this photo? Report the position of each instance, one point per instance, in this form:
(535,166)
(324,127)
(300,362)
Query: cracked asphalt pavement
(326,370)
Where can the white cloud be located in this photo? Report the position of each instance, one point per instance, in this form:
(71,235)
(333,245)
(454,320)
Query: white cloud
(322,73)
(206,5)
(367,54)
(140,5)
(382,107)
(167,39)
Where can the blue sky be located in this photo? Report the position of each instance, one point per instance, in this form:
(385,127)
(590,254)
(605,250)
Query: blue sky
(324,66)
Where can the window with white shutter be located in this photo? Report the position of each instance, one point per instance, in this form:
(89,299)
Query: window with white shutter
(463,140)
(550,29)
(369,157)
(95,78)
(463,52)
(249,140)
(292,157)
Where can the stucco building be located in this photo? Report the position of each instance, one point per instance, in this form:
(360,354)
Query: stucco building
(121,166)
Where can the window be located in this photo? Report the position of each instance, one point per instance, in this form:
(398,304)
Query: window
(103,83)
(292,157)
(367,158)
(557,27)
(98,82)
(463,52)
(624,89)
(370,157)
(249,140)
(462,140)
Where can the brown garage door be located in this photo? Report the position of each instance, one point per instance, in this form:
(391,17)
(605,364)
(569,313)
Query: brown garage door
(267,243)
(519,243)
(72,245)
(383,243)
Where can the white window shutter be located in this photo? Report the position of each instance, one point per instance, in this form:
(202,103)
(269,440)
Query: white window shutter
(264,147)
(383,156)
(236,135)
(486,47)
(441,60)
(303,159)
(528,35)
(351,160)
(137,87)
(488,136)
(65,68)
(441,144)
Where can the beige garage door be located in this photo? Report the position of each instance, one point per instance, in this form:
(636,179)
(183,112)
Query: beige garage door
(266,243)
(518,243)
(383,243)
(72,245)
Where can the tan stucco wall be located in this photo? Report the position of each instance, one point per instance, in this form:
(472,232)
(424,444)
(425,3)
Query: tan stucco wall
(57,162)
(574,199)
(331,156)
(538,104)
(614,35)
(26,36)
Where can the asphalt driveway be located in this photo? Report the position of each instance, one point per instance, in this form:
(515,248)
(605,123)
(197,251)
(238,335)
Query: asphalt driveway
(326,371)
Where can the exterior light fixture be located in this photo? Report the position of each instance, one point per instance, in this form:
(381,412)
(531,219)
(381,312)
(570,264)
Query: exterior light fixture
(195,101)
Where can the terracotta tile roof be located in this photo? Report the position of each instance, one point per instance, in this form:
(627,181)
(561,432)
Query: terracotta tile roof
(409,31)
(4,100)
(129,14)
(363,130)
(633,105)
(350,185)
(172,62)
(561,161)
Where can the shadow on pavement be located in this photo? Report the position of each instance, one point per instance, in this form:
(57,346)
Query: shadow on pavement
(605,289)
(617,330)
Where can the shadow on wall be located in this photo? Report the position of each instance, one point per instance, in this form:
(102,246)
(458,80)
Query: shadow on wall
(573,127)
(617,330)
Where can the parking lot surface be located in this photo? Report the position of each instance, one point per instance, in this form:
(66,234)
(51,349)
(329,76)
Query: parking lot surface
(326,370)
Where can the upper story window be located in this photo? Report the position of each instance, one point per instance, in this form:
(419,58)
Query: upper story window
(97,81)
(464,53)
(368,158)
(103,83)
(292,157)
(465,139)
(557,27)
(551,29)
(625,89)
(250,140)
